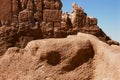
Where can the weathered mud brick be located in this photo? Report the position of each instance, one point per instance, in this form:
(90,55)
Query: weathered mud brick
(57,32)
(30,5)
(52,15)
(24,3)
(52,4)
(93,21)
(57,29)
(38,5)
(38,16)
(14,19)
(57,24)
(25,16)
(47,29)
(15,8)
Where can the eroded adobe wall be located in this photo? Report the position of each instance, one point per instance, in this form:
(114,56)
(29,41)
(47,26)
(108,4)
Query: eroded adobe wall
(24,20)
(46,14)
(28,20)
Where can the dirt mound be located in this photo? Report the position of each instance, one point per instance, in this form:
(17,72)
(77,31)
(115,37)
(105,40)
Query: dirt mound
(81,57)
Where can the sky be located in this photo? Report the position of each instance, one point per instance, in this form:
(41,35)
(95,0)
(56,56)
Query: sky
(106,11)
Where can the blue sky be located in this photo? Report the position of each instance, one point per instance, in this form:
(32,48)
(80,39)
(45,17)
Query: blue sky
(106,11)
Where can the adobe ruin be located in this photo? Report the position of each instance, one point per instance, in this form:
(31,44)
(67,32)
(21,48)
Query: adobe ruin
(26,20)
